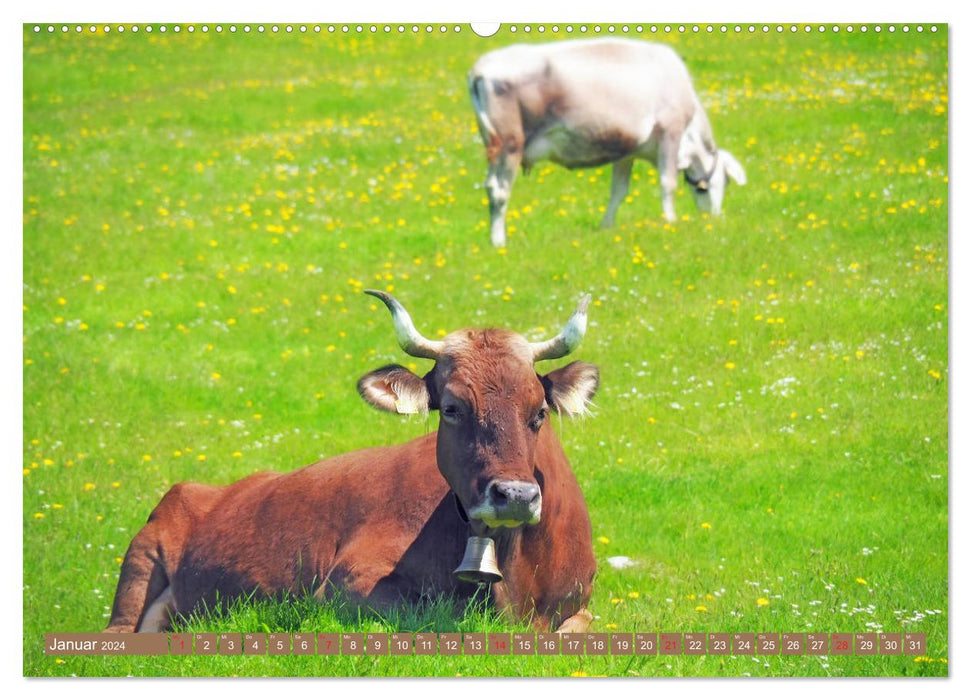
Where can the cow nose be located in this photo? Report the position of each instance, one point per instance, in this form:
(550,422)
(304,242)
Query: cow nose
(509,503)
(514,495)
(516,500)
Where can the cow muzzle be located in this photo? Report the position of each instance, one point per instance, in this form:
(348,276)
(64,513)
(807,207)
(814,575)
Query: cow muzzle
(509,504)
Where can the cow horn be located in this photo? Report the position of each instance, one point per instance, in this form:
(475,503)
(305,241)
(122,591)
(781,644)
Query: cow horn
(568,339)
(411,341)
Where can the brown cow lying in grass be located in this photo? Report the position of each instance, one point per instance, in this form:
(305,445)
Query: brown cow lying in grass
(389,524)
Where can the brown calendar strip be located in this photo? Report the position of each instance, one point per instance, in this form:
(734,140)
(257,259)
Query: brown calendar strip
(489,644)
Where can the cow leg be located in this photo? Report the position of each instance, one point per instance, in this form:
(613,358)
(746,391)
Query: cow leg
(619,184)
(364,581)
(564,611)
(142,584)
(144,598)
(578,622)
(667,166)
(499,180)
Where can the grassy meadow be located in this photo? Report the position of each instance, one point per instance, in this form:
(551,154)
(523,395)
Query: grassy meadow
(201,212)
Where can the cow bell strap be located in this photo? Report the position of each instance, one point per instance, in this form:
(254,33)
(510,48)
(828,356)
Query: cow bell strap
(460,509)
(702,183)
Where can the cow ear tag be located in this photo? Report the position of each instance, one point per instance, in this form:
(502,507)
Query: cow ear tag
(479,564)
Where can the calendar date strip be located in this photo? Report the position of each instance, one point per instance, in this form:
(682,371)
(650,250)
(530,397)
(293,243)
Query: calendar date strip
(488,644)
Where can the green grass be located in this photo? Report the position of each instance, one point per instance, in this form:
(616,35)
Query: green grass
(770,445)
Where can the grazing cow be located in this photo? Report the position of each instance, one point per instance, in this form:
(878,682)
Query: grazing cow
(584,103)
(389,524)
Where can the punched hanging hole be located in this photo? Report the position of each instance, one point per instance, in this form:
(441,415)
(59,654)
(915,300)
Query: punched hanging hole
(485,29)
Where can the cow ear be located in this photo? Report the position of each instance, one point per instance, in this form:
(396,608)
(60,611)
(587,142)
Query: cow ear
(570,389)
(395,389)
(733,167)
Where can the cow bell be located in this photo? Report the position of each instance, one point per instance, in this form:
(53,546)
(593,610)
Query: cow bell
(479,563)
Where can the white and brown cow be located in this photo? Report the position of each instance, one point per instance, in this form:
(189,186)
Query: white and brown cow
(584,103)
(389,524)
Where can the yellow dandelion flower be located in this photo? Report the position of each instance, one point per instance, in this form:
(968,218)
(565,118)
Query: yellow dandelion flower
(633,594)
(701,608)
(861,581)
(89,486)
(706,526)
(603,540)
(38,516)
(762,602)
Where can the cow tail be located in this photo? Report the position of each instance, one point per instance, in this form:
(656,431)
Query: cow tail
(480,96)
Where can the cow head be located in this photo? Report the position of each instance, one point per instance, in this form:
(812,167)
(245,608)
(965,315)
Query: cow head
(493,408)
(708,174)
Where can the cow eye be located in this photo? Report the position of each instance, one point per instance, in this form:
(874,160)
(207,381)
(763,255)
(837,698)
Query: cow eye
(539,418)
(451,413)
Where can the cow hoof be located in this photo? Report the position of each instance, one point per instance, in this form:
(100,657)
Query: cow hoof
(580,622)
